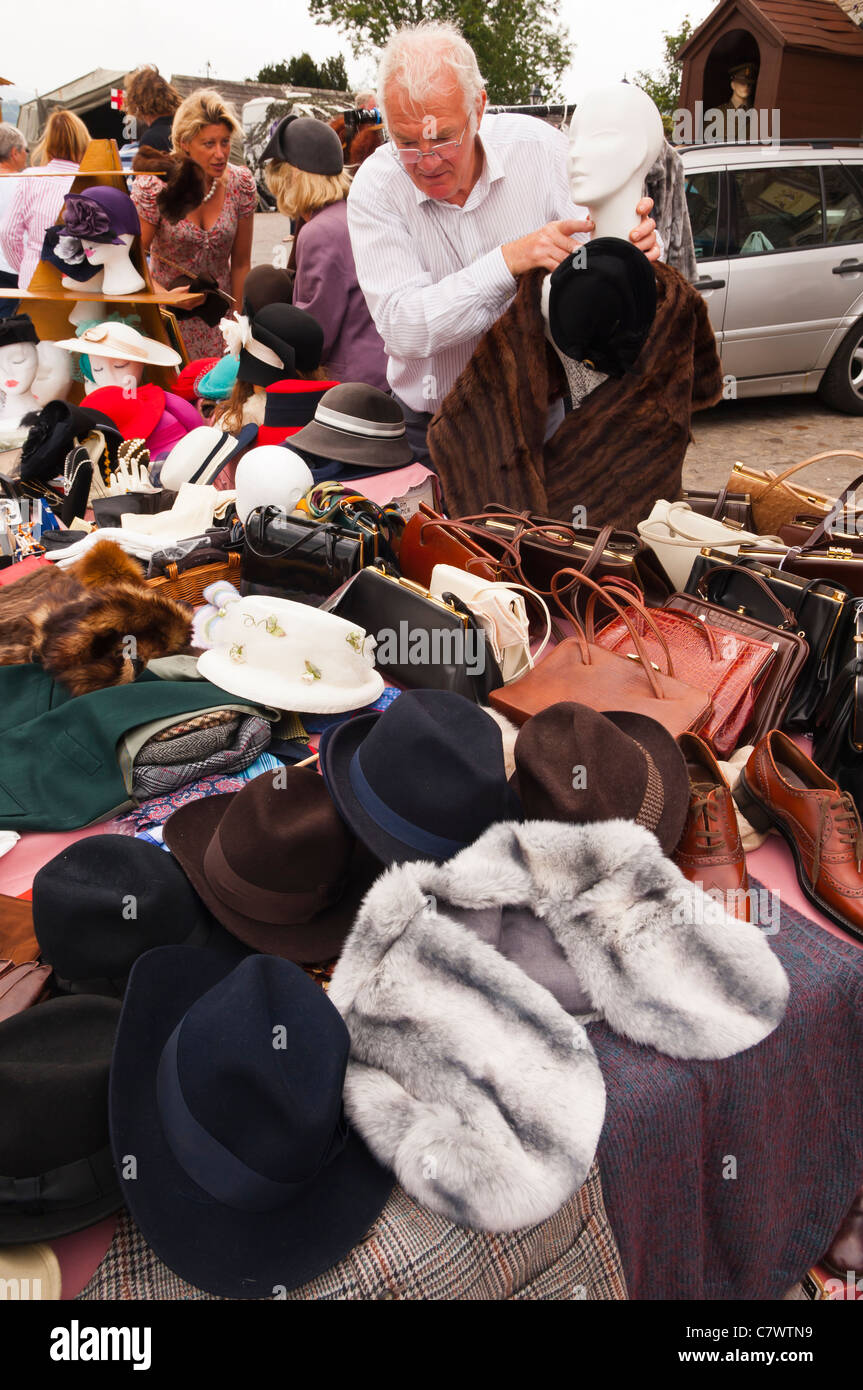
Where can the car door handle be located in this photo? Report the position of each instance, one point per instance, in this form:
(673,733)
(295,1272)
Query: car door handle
(848,268)
(708,284)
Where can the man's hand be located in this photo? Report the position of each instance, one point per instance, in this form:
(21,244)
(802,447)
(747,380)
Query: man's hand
(549,246)
(644,235)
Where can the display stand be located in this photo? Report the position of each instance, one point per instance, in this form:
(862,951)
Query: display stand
(49,304)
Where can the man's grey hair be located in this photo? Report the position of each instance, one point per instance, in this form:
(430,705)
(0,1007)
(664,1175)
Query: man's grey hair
(10,139)
(425,59)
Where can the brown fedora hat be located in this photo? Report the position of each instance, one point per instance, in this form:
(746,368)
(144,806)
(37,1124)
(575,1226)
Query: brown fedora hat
(275,864)
(574,764)
(357,424)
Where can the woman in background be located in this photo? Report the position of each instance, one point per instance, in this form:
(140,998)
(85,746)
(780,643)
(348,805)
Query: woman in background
(38,198)
(210,232)
(307,175)
(152,102)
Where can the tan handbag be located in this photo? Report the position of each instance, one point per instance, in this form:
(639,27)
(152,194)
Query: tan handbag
(584,672)
(775,501)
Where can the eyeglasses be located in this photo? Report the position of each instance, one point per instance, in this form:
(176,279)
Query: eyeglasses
(443,150)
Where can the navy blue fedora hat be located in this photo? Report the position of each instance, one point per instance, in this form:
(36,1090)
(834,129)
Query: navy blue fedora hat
(226,1087)
(423,779)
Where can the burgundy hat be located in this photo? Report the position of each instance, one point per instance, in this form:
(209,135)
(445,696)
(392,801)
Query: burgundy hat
(275,864)
(573,764)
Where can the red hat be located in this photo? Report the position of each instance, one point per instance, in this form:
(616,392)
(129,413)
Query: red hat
(190,376)
(136,416)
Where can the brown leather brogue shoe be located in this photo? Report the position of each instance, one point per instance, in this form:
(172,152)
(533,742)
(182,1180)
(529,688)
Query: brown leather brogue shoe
(781,787)
(710,852)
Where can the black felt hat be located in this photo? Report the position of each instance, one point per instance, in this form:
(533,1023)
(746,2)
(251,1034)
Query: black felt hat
(104,901)
(17,329)
(308,144)
(422,780)
(602,303)
(227,1087)
(56,1171)
(56,429)
(292,336)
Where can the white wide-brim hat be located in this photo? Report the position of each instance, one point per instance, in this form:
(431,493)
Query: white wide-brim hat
(206,449)
(122,343)
(291,656)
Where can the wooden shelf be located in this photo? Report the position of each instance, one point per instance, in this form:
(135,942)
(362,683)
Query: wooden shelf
(167,297)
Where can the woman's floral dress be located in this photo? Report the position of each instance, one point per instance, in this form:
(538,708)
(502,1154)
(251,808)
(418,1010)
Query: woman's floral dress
(183,247)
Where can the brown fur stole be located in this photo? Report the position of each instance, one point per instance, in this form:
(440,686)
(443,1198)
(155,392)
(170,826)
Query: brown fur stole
(614,455)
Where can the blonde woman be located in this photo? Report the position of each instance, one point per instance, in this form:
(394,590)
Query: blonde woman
(38,198)
(307,176)
(214,237)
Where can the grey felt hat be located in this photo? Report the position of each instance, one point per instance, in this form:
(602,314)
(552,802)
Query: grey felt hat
(310,145)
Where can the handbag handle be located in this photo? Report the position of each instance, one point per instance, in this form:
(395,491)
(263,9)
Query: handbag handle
(507,584)
(584,647)
(203,557)
(789,619)
(269,513)
(683,538)
(795,467)
(645,613)
(820,532)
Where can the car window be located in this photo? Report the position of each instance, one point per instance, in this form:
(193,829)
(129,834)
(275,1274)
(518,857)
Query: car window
(844,206)
(775,209)
(702,200)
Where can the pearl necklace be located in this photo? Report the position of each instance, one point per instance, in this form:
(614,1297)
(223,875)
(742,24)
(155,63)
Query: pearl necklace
(207,196)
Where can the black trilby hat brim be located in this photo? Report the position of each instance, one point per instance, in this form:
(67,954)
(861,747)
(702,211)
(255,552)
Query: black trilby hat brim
(227,1252)
(189,831)
(377,455)
(26,1229)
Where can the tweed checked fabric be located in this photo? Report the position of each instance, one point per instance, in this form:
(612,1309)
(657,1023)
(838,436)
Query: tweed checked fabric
(412,1254)
(789,1113)
(251,738)
(194,745)
(211,720)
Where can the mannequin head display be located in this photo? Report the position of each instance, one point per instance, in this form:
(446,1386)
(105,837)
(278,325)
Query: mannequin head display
(271,476)
(116,354)
(53,379)
(109,371)
(94,241)
(615,137)
(742,78)
(19,362)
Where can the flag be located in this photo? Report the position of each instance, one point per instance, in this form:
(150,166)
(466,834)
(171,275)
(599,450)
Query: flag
(117,98)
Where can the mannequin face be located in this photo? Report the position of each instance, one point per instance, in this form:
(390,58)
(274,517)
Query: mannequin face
(53,375)
(741,87)
(18,364)
(611,141)
(211,148)
(107,371)
(104,253)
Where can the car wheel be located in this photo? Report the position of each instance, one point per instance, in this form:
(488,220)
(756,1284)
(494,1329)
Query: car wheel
(842,384)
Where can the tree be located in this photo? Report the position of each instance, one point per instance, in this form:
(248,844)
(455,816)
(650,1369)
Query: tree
(519,44)
(663,86)
(303,71)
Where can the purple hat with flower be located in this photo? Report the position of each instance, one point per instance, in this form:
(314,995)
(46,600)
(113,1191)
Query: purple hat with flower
(101,214)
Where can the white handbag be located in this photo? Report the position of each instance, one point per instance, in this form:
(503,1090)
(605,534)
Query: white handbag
(676,534)
(500,611)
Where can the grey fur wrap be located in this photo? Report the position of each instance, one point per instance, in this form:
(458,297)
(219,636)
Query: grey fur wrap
(666,185)
(466,1077)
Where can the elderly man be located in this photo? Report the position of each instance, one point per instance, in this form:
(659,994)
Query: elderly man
(13,159)
(445,216)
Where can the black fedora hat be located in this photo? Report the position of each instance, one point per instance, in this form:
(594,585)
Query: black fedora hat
(55,1158)
(574,764)
(358,424)
(292,336)
(307,143)
(422,780)
(602,303)
(275,864)
(56,429)
(104,901)
(227,1085)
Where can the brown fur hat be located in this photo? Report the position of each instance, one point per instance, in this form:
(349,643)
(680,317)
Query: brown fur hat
(80,622)
(184,184)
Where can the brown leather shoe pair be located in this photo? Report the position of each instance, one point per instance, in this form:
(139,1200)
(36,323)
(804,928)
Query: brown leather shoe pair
(781,787)
(710,852)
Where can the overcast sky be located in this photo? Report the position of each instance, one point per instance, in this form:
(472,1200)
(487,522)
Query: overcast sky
(46,43)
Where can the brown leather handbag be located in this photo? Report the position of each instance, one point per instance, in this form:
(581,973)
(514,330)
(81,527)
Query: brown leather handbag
(588,674)
(734,508)
(776,501)
(21,986)
(430,539)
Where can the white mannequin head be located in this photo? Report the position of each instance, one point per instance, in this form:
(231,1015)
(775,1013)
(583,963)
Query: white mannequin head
(270,476)
(616,135)
(109,371)
(53,375)
(119,276)
(18,364)
(87,310)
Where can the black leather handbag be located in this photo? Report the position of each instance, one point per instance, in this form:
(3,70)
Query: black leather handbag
(286,557)
(837,744)
(422,641)
(817,609)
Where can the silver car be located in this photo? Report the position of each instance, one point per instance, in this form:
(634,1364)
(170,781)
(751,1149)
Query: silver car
(778,233)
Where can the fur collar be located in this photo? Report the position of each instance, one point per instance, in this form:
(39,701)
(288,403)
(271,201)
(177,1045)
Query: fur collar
(466,1076)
